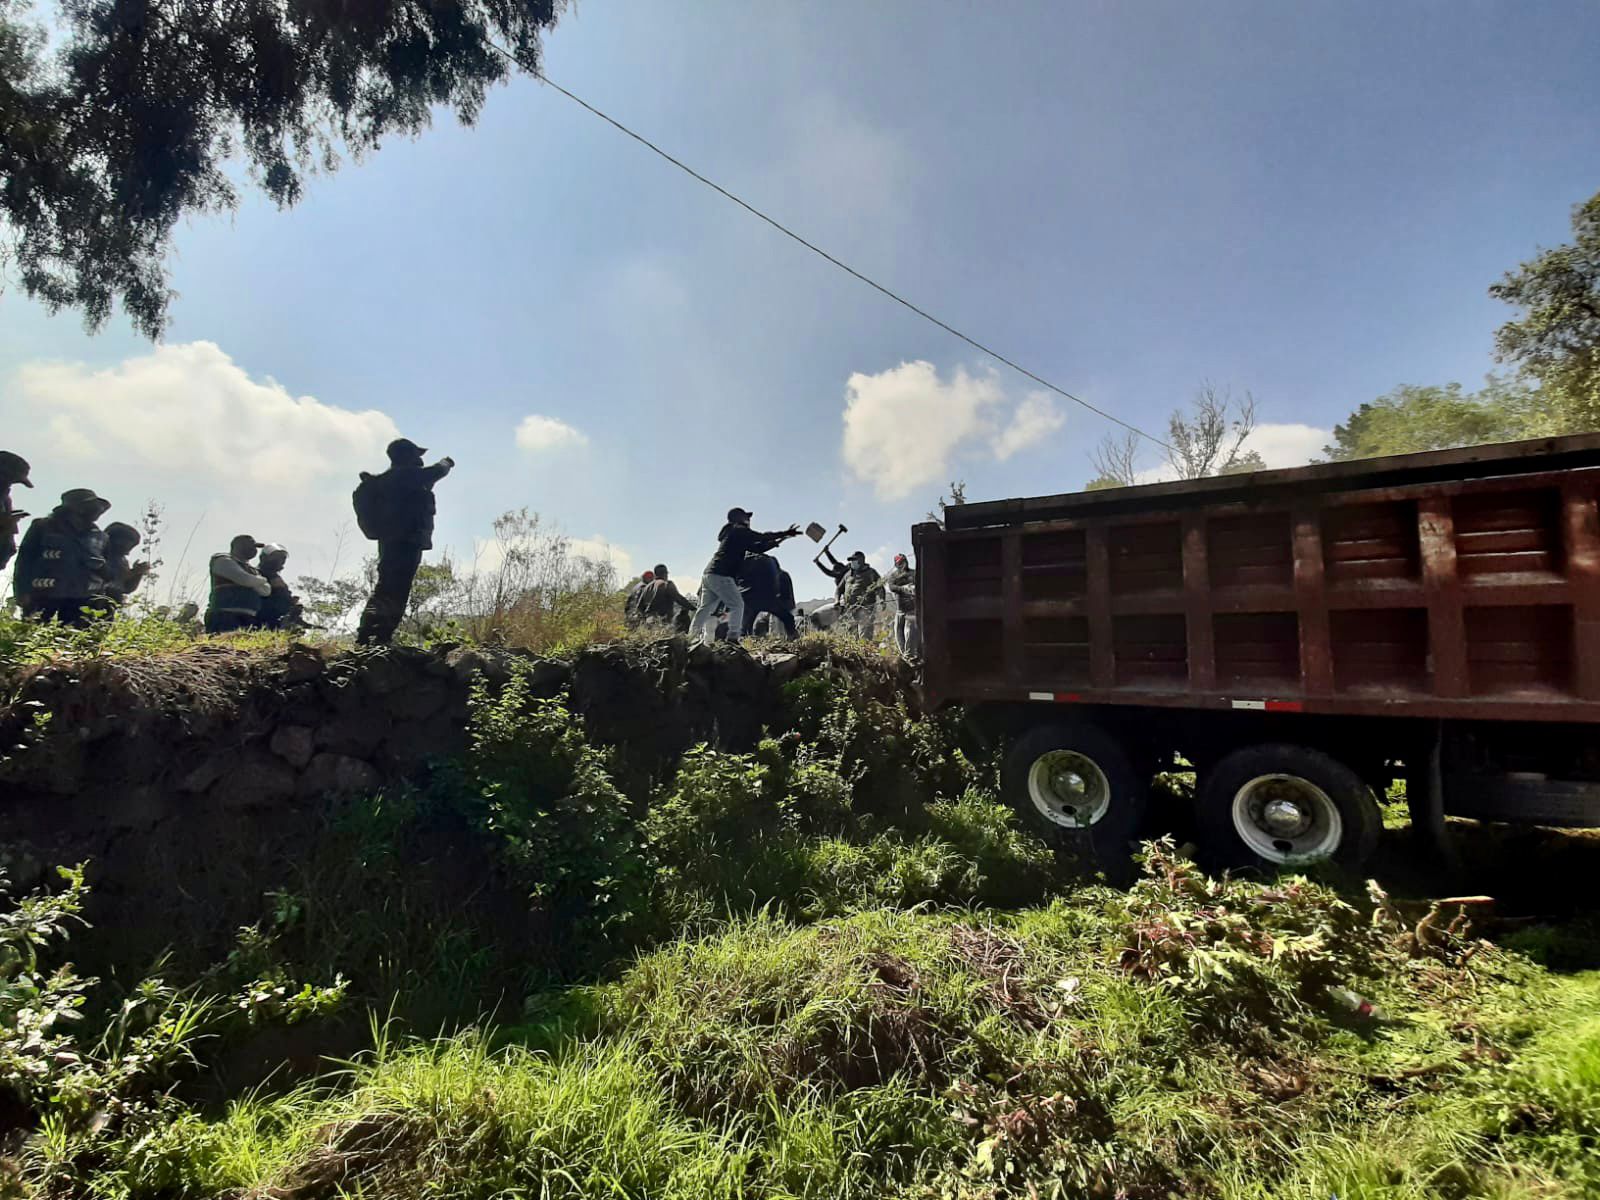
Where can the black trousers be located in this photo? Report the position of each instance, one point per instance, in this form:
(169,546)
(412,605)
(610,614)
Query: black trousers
(397,568)
(778,614)
(78,612)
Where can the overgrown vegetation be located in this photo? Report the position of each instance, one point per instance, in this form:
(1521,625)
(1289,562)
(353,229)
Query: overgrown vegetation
(831,966)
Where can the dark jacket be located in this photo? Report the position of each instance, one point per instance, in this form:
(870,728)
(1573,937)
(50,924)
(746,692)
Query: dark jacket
(62,557)
(836,571)
(733,543)
(8,527)
(280,609)
(861,588)
(406,497)
(661,597)
(902,583)
(633,606)
(785,592)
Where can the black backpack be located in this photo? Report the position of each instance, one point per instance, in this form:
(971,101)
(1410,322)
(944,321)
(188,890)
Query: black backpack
(374,513)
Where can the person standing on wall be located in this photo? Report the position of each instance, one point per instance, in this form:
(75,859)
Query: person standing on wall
(61,563)
(237,588)
(120,578)
(902,584)
(13,470)
(720,584)
(396,509)
(661,602)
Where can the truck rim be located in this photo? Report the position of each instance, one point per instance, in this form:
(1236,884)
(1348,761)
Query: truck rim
(1069,789)
(1287,819)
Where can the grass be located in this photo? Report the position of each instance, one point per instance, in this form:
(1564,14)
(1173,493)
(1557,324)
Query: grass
(834,967)
(920,1054)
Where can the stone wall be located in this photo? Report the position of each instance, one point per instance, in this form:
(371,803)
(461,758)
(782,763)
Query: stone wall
(186,780)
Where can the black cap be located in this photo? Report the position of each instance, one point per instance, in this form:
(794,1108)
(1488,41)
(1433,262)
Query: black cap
(660,570)
(857,557)
(16,467)
(405,448)
(739,514)
(244,537)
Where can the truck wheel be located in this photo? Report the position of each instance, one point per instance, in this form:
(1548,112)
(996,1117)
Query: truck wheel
(1072,783)
(1286,806)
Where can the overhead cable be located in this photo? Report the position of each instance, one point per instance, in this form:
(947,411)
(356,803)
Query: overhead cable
(821,253)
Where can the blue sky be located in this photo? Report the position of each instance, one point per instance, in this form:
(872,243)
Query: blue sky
(1306,201)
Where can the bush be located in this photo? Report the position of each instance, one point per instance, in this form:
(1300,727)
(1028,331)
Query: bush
(545,797)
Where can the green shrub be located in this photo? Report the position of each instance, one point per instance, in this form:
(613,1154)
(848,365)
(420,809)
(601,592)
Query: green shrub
(545,797)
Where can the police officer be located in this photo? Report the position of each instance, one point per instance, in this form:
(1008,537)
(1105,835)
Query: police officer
(61,562)
(119,580)
(396,509)
(237,588)
(13,470)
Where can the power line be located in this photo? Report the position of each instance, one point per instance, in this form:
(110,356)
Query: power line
(819,251)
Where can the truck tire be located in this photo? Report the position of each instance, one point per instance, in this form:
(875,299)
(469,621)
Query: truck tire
(1073,786)
(1281,805)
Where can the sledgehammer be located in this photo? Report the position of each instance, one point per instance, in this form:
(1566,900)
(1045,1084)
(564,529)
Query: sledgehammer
(814,532)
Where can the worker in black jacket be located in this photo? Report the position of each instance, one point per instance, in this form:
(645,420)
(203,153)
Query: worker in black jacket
(13,470)
(719,584)
(403,507)
(761,583)
(61,563)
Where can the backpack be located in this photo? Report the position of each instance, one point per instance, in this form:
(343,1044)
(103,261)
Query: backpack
(373,511)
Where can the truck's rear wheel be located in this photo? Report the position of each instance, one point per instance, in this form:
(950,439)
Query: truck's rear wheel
(1072,784)
(1282,805)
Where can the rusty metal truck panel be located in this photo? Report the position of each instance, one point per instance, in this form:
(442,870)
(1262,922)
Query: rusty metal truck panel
(1460,583)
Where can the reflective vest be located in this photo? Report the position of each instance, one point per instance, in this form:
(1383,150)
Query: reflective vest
(59,568)
(227,596)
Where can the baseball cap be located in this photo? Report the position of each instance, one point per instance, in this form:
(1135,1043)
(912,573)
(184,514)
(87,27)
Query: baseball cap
(857,557)
(244,539)
(404,447)
(739,514)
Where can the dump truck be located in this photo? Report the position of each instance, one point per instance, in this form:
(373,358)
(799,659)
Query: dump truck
(1299,638)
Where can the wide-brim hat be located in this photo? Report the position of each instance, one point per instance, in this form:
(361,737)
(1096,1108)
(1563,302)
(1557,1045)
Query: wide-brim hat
(84,498)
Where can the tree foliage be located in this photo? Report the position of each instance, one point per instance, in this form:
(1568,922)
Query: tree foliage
(1556,340)
(1412,419)
(124,119)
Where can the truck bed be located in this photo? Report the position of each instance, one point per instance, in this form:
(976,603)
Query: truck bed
(1462,583)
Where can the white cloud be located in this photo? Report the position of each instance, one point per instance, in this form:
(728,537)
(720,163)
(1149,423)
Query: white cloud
(903,427)
(599,549)
(1035,419)
(1289,444)
(225,452)
(537,434)
(190,408)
